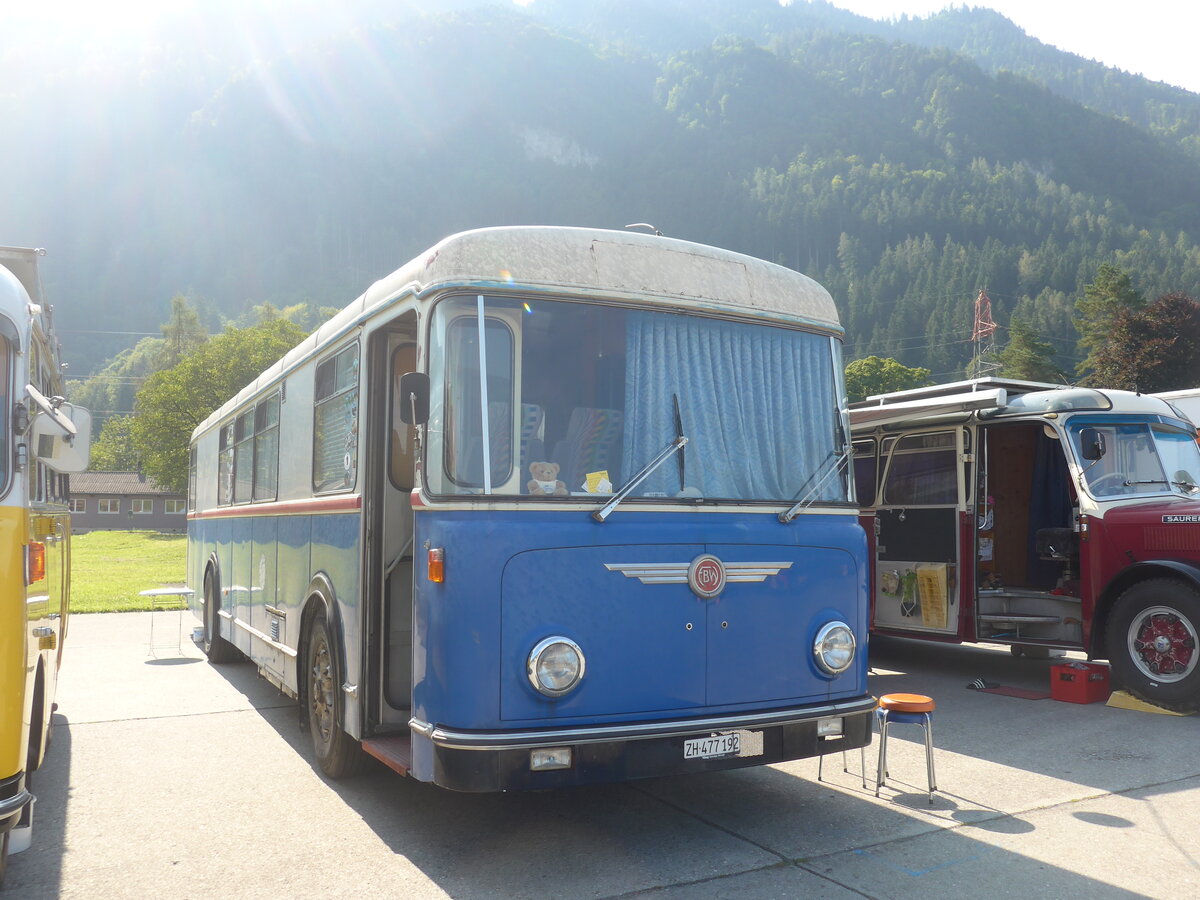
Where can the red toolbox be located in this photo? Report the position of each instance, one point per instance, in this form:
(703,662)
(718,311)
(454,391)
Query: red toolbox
(1079,682)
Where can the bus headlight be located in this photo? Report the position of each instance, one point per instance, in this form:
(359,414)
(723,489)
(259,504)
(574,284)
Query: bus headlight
(834,648)
(555,666)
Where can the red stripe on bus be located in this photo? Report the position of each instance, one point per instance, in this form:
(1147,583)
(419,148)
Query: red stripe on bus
(283,508)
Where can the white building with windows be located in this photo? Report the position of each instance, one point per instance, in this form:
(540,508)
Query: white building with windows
(124,501)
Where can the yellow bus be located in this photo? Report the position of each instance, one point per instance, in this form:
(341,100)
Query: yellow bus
(44,440)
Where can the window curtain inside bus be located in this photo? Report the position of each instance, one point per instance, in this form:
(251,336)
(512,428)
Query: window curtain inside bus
(757,405)
(1050,506)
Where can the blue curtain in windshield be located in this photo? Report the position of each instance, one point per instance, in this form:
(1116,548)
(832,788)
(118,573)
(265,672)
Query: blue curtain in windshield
(757,405)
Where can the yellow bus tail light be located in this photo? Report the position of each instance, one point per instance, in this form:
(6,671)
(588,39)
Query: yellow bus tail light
(35,561)
(437,565)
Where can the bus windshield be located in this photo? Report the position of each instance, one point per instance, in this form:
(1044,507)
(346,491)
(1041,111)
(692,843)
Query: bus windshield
(579,397)
(1141,458)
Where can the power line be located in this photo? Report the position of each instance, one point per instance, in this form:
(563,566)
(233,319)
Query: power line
(125,333)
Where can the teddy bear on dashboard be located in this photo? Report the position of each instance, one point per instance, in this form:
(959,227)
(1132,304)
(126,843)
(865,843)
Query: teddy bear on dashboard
(545,479)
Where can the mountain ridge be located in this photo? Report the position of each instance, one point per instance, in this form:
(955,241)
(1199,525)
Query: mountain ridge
(903,176)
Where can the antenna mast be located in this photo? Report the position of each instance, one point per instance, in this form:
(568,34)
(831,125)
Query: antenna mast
(984,338)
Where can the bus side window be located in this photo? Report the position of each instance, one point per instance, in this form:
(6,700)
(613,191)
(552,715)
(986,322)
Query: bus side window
(225,465)
(923,471)
(243,457)
(335,422)
(864,471)
(266,449)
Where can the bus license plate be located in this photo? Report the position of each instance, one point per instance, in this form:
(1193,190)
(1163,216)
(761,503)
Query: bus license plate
(715,746)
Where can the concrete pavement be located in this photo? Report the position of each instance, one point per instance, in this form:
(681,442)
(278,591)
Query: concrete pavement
(171,777)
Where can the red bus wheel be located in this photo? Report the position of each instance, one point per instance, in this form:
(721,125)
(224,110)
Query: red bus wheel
(1154,643)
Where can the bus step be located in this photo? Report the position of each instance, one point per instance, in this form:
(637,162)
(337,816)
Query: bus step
(394,751)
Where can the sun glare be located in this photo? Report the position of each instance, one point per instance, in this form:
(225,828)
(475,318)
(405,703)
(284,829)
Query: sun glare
(111,15)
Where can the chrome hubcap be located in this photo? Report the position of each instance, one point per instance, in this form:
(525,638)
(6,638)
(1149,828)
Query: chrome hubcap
(1163,644)
(322,691)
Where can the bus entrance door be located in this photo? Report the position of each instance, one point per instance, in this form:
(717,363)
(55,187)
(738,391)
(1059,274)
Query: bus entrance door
(917,546)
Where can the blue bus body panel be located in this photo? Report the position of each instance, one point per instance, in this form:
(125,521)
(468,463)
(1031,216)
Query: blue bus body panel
(641,654)
(761,635)
(515,578)
(264,565)
(257,554)
(239,586)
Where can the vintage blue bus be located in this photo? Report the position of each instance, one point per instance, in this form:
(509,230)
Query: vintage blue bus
(547,507)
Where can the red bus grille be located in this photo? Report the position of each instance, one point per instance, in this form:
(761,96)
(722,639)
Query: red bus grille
(1172,537)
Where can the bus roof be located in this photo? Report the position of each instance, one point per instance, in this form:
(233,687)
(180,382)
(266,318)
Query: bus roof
(995,397)
(613,265)
(1185,394)
(21,293)
(23,263)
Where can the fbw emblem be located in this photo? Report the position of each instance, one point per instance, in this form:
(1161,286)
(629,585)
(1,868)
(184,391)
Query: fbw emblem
(706,576)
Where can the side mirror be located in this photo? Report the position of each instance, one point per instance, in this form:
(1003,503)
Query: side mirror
(414,398)
(1091,444)
(62,439)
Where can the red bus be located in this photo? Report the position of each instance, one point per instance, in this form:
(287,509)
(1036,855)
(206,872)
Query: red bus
(1038,516)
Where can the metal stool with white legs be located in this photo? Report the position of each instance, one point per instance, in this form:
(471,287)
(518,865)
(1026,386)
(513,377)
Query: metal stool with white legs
(905,709)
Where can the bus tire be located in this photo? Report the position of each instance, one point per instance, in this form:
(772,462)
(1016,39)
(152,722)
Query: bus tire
(1153,638)
(338,754)
(216,648)
(34,752)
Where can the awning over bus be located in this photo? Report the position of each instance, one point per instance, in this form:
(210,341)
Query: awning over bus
(882,411)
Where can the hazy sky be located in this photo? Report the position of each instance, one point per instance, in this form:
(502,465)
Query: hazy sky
(1154,38)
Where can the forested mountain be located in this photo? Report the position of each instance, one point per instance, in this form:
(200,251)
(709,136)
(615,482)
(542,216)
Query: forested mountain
(905,165)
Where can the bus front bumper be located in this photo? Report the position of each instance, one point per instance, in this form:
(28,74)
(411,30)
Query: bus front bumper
(508,760)
(14,797)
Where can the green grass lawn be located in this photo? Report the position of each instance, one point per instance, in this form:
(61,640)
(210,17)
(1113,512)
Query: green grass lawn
(109,568)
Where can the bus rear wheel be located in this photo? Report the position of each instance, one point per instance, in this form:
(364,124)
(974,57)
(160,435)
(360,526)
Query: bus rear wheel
(338,754)
(216,648)
(1154,643)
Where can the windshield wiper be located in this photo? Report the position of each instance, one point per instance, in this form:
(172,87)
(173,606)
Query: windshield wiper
(809,498)
(674,447)
(678,434)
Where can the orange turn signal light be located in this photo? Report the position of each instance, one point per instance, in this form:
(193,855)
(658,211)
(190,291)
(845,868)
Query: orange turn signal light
(35,561)
(437,565)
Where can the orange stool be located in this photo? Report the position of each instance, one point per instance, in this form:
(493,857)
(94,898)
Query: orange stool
(905,709)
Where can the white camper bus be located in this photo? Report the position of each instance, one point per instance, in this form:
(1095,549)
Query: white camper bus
(1187,402)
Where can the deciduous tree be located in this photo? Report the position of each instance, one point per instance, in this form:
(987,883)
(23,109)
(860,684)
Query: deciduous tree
(174,401)
(113,451)
(1154,349)
(876,375)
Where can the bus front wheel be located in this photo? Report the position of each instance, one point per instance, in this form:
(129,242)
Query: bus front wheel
(338,754)
(1154,643)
